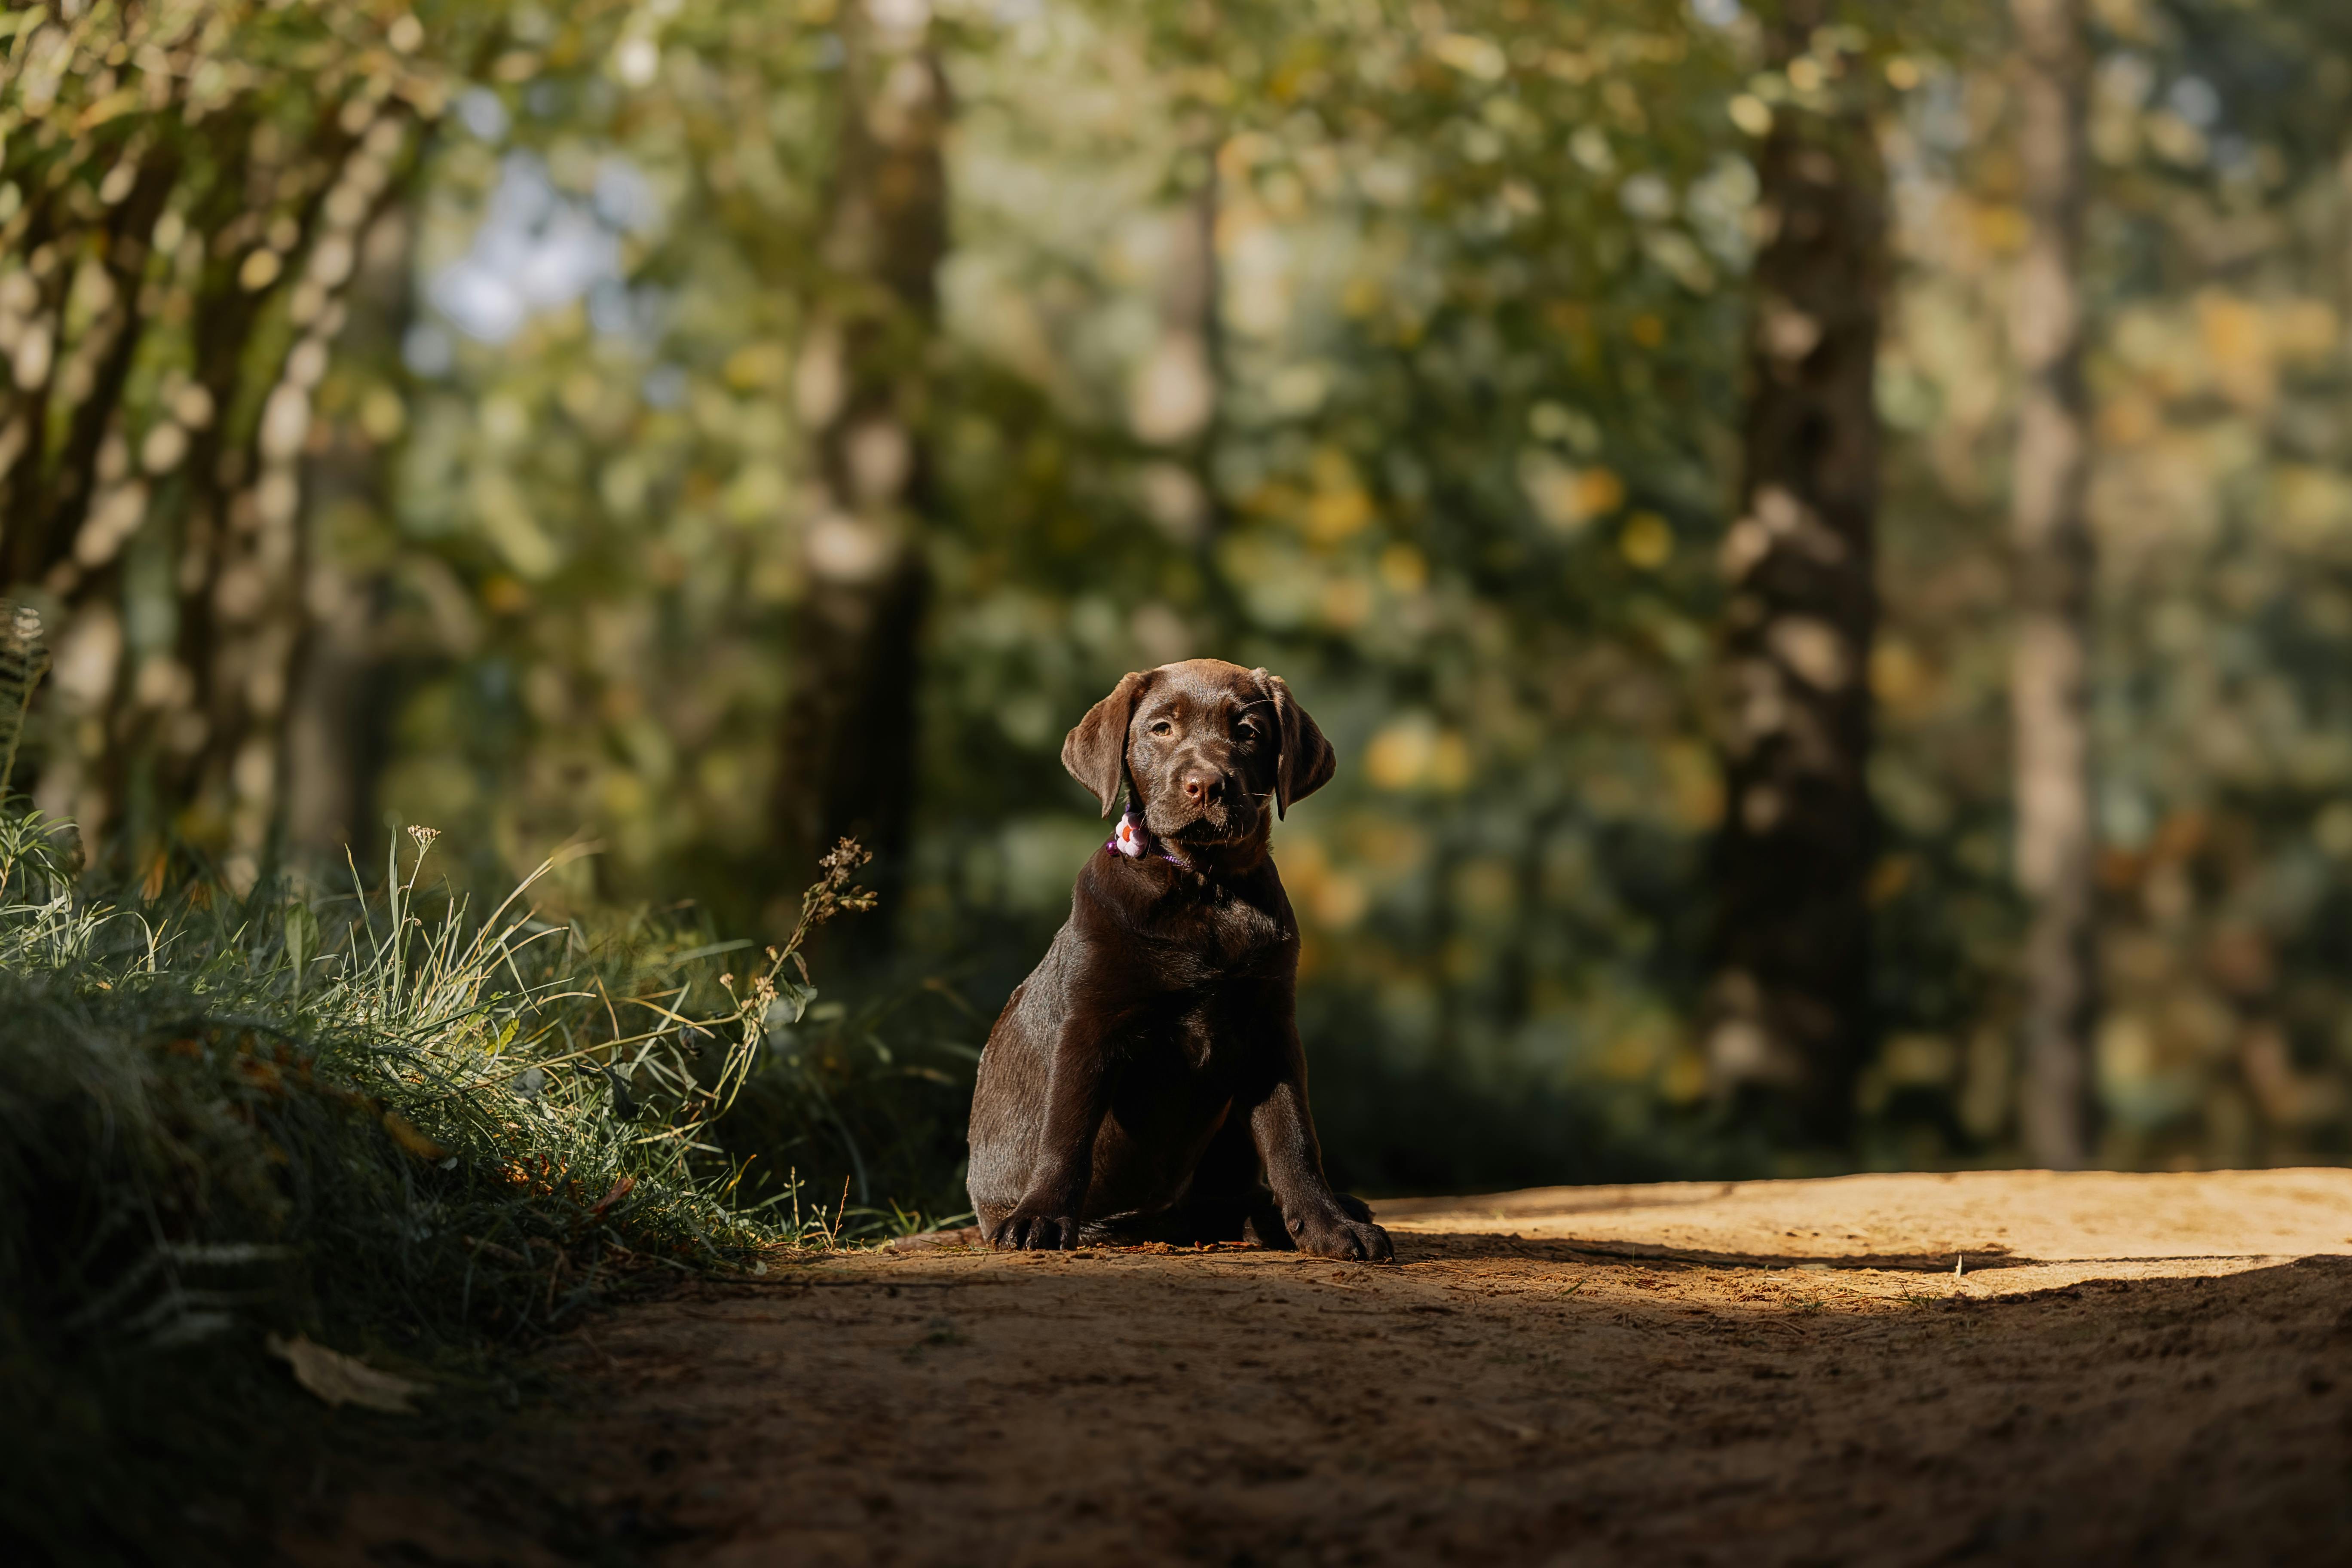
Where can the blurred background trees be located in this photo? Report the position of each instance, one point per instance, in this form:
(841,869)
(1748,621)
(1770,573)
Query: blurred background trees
(711,428)
(1792,1015)
(2049,485)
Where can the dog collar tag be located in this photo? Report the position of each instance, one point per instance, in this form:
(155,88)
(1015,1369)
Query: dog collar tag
(1132,840)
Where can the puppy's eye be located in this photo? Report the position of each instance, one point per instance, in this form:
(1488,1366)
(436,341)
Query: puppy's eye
(1162,727)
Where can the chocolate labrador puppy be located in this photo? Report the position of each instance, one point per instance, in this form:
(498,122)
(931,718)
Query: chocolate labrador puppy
(1142,1075)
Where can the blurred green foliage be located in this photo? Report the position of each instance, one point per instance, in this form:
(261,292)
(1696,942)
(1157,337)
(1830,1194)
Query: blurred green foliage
(2216,280)
(1395,347)
(1396,358)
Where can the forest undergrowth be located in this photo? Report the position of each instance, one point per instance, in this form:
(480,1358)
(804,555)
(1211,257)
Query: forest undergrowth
(381,1124)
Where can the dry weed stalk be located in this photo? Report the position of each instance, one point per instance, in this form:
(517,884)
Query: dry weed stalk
(832,894)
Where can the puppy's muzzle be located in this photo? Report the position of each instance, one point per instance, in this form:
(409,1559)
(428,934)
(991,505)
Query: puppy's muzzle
(1207,808)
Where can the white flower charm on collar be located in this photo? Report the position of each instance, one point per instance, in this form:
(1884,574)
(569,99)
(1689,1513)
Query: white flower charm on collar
(1132,840)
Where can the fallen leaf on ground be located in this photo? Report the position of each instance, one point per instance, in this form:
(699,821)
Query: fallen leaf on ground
(343,1380)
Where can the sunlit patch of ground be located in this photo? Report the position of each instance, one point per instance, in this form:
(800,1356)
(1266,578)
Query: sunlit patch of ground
(2151,1368)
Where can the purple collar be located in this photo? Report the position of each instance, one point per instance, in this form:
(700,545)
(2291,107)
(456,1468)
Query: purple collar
(1134,840)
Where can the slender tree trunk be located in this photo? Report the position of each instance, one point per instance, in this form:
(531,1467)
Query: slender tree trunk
(51,501)
(184,740)
(245,555)
(1197,293)
(155,521)
(34,346)
(1789,1017)
(850,729)
(2051,689)
(1176,403)
(338,724)
(66,511)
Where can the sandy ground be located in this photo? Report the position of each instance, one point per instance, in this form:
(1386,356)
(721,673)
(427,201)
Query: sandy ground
(2127,1369)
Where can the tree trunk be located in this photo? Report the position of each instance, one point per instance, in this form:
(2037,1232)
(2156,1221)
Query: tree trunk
(2050,702)
(340,707)
(180,737)
(244,553)
(49,502)
(1789,1017)
(850,739)
(68,508)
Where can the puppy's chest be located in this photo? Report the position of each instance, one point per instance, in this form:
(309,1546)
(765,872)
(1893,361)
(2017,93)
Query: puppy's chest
(1219,937)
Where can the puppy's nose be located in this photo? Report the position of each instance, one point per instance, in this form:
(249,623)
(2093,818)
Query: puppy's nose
(1204,788)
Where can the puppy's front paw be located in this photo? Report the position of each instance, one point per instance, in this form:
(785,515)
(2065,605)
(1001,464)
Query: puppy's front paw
(1335,1235)
(1024,1232)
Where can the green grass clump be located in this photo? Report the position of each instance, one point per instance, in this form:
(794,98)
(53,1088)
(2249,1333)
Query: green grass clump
(373,1117)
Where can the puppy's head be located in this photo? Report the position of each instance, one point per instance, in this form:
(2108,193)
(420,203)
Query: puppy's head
(1207,744)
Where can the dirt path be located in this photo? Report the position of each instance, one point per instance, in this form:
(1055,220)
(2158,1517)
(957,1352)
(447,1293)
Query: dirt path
(2130,1368)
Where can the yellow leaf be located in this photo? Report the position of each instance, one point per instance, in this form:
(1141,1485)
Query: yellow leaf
(260,270)
(1751,114)
(120,102)
(1471,56)
(1648,541)
(1598,492)
(1334,515)
(1398,756)
(757,364)
(404,1133)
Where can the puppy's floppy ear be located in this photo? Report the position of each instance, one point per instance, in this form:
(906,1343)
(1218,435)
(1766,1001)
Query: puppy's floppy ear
(1095,752)
(1306,762)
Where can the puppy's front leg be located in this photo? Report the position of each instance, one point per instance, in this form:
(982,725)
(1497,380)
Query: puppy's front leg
(1316,1217)
(1076,1096)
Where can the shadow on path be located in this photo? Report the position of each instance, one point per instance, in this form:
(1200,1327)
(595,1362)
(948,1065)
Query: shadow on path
(1482,1401)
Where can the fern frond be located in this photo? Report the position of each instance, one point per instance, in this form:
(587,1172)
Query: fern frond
(24,657)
